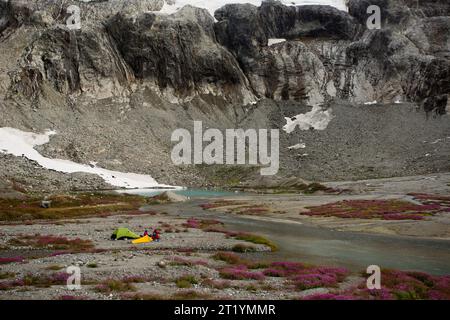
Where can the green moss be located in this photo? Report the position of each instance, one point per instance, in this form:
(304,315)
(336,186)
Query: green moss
(228,257)
(290,188)
(7,275)
(111,285)
(406,295)
(52,242)
(251,287)
(186,281)
(183,284)
(256,239)
(143,296)
(54,267)
(68,206)
(190,295)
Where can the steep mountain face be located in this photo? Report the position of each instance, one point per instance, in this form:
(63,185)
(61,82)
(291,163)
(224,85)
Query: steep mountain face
(330,54)
(177,54)
(115,89)
(180,54)
(295,69)
(415,44)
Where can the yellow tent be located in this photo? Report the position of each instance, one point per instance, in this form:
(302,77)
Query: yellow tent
(145,239)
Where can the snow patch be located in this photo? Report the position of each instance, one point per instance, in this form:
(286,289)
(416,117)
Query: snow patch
(275,41)
(297,146)
(370,103)
(317,119)
(21,144)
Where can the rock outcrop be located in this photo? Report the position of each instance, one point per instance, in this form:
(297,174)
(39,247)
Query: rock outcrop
(290,70)
(72,62)
(330,54)
(327,53)
(179,53)
(412,46)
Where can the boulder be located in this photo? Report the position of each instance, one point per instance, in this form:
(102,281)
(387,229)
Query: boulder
(169,196)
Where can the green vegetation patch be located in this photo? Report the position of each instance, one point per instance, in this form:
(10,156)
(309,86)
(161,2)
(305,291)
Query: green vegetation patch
(69,206)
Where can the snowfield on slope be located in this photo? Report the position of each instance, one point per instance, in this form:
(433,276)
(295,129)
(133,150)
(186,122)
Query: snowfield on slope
(317,119)
(21,144)
(213,5)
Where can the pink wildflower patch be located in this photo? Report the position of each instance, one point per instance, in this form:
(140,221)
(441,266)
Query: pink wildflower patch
(200,224)
(11,260)
(314,280)
(330,296)
(240,272)
(375,209)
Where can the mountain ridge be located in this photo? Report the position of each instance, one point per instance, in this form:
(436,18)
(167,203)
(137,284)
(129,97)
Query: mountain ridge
(118,87)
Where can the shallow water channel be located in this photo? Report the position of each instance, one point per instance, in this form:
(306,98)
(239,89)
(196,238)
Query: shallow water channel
(318,245)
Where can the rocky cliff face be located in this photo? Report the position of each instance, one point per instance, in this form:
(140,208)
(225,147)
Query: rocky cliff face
(331,54)
(327,53)
(414,44)
(179,54)
(117,88)
(295,69)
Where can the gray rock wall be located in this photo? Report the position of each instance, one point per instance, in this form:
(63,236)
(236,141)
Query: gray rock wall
(117,88)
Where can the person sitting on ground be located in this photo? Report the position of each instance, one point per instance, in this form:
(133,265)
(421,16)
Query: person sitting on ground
(155,235)
(145,233)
